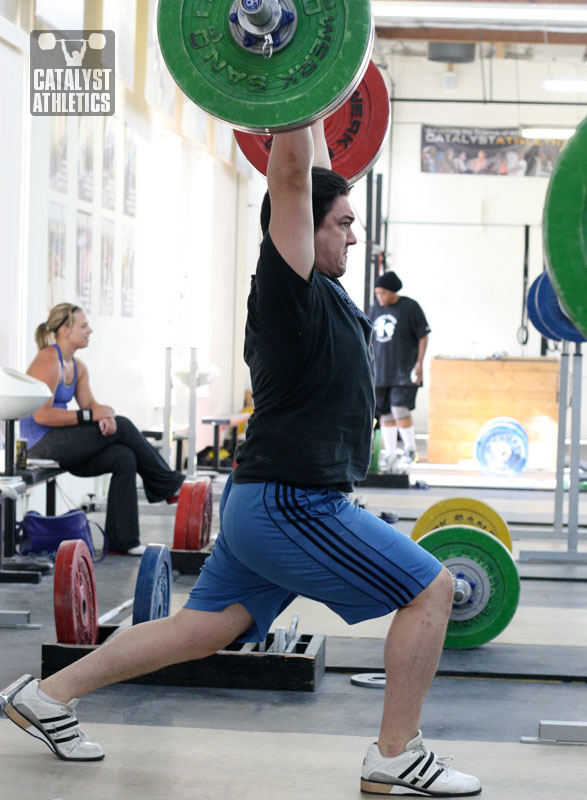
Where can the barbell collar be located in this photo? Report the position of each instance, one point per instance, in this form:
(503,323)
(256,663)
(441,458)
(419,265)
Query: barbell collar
(259,13)
(462,591)
(262,26)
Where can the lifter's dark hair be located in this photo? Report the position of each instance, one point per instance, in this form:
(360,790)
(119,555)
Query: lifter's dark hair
(327,185)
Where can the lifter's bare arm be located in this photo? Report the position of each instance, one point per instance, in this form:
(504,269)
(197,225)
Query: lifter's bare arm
(289,180)
(47,368)
(321,154)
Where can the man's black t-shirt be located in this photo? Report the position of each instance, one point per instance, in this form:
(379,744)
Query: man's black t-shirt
(309,351)
(396,332)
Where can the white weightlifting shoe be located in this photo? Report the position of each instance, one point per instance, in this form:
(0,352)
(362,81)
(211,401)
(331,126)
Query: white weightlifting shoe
(52,722)
(416,772)
(138,550)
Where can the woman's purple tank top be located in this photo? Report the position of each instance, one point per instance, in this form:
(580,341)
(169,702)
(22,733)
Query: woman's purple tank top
(29,428)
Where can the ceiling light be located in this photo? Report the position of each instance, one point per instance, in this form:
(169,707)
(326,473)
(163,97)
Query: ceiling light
(565,85)
(547,133)
(478,12)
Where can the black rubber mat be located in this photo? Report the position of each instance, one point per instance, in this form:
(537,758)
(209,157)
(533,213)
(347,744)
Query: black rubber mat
(490,661)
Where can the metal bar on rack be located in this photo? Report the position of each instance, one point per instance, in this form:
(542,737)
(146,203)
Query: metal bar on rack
(193,406)
(563,399)
(574,460)
(166,443)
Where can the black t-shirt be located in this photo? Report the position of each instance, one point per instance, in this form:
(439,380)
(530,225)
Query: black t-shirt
(396,332)
(309,351)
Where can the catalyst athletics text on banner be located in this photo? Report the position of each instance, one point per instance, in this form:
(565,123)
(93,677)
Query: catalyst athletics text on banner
(486,151)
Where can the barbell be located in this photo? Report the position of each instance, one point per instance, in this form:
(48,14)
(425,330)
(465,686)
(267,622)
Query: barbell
(193,518)
(546,313)
(564,228)
(502,447)
(266,65)
(354,133)
(486,583)
(75,598)
(463,511)
(48,40)
(486,589)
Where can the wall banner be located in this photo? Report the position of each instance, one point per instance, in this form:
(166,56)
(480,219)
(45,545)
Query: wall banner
(487,151)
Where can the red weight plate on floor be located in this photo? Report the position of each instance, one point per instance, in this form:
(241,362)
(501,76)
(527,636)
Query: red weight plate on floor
(354,133)
(182,515)
(75,599)
(200,522)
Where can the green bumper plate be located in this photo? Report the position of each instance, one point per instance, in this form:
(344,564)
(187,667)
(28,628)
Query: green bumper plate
(304,81)
(376,447)
(564,227)
(486,566)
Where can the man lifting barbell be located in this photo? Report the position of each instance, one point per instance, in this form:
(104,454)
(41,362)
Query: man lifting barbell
(287,527)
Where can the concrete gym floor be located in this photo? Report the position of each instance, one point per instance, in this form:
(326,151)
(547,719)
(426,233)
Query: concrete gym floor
(183,742)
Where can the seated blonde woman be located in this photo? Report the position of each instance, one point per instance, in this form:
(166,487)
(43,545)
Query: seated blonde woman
(92,440)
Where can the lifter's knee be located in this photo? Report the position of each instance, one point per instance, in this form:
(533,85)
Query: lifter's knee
(438,594)
(206,632)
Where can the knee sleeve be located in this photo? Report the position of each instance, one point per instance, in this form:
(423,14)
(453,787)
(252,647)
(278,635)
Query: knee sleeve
(400,412)
(386,418)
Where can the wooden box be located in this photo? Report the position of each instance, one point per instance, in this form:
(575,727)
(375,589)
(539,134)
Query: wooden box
(467,393)
(239,666)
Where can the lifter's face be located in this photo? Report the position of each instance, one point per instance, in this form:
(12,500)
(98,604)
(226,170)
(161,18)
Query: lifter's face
(333,238)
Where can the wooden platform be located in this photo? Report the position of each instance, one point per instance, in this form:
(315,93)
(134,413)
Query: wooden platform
(467,393)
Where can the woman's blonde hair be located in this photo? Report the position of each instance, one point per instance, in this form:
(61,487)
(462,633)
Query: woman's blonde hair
(61,314)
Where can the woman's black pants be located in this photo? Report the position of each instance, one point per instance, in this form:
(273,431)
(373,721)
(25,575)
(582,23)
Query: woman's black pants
(83,451)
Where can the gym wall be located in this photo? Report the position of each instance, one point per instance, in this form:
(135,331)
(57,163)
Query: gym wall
(193,244)
(457,241)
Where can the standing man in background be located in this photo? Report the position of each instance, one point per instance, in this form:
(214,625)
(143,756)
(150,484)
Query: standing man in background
(400,338)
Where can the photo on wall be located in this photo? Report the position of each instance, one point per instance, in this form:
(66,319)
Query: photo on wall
(107,269)
(85,161)
(487,151)
(159,85)
(83,241)
(56,263)
(58,154)
(120,16)
(109,165)
(128,271)
(130,171)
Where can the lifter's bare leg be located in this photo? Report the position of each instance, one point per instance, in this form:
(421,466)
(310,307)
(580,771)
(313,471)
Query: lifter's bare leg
(187,635)
(412,652)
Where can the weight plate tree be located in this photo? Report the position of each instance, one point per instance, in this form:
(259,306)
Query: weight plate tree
(75,600)
(262,65)
(463,511)
(487,585)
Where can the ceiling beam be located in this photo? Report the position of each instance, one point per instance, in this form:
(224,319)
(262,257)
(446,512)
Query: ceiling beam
(430,34)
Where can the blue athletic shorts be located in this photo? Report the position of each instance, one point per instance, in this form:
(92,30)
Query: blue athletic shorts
(277,541)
